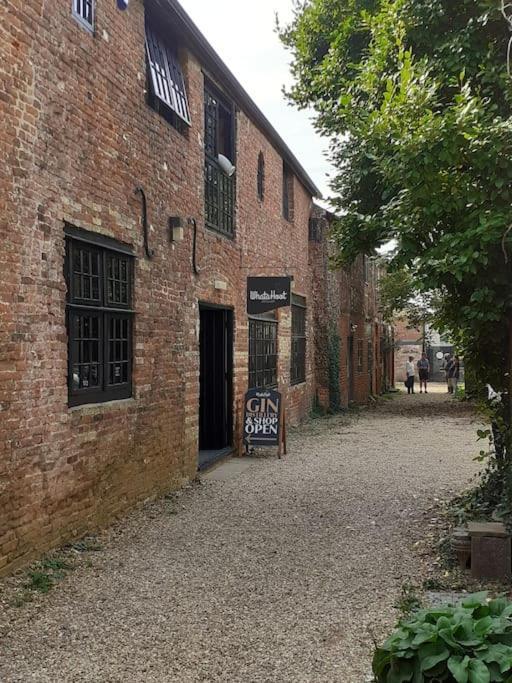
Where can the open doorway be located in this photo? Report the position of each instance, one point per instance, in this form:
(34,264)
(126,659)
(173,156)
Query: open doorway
(215,384)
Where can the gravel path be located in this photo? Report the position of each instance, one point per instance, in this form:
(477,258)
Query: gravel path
(269,570)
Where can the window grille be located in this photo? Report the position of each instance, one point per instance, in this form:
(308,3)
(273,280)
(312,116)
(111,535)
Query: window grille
(83,11)
(99,318)
(219,188)
(262,353)
(298,356)
(287,193)
(166,76)
(315,231)
(261,177)
(360,359)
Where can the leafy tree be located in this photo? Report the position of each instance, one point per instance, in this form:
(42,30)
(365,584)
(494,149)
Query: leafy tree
(399,298)
(415,98)
(414,95)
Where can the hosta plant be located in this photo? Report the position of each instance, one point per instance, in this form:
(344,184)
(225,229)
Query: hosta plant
(470,642)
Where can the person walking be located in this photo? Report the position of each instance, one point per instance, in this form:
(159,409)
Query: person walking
(454,374)
(409,369)
(424,372)
(447,367)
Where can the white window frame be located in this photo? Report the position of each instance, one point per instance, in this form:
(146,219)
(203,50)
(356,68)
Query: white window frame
(77,8)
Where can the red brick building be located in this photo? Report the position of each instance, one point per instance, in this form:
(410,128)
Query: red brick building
(353,347)
(125,344)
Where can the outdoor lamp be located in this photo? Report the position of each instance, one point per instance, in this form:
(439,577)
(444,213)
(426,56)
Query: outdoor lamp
(226,165)
(177,228)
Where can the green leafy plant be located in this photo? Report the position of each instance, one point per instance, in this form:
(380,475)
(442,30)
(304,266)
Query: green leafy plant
(470,642)
(39,581)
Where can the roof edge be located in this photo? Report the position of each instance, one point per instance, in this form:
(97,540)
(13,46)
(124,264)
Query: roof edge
(211,59)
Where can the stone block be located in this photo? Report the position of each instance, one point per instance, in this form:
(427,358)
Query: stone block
(491,551)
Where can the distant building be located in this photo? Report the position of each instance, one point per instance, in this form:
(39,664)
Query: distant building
(409,342)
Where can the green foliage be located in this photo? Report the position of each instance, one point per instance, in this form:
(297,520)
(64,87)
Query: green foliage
(468,643)
(415,98)
(334,369)
(39,581)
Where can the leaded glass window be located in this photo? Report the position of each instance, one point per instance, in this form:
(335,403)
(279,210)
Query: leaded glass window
(298,358)
(219,188)
(166,77)
(262,353)
(261,177)
(99,318)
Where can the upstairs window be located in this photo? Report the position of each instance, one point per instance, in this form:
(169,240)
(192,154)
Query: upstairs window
(99,274)
(298,360)
(167,85)
(287,193)
(261,177)
(83,11)
(219,139)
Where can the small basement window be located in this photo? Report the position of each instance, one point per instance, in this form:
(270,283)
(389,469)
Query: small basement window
(83,11)
(167,85)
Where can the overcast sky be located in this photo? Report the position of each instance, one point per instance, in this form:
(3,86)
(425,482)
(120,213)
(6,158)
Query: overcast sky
(243,34)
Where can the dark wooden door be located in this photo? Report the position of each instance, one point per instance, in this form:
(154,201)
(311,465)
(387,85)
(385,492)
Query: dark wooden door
(215,396)
(350,367)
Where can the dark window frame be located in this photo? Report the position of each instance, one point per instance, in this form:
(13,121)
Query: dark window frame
(360,355)
(166,85)
(260,178)
(288,193)
(107,277)
(298,340)
(79,9)
(263,360)
(219,138)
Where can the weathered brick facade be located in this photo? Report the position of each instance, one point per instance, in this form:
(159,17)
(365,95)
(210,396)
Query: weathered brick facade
(353,348)
(77,137)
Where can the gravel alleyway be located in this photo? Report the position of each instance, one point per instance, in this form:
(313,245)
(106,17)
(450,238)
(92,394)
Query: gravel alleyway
(275,571)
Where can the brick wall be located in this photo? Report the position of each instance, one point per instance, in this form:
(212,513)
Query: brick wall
(349,332)
(77,138)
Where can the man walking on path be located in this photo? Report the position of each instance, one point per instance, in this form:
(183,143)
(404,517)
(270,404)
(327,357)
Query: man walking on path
(447,367)
(409,368)
(453,373)
(423,371)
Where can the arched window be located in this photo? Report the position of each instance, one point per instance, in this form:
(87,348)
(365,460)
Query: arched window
(261,176)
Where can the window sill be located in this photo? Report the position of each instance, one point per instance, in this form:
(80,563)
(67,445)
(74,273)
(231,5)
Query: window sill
(119,404)
(221,233)
(298,383)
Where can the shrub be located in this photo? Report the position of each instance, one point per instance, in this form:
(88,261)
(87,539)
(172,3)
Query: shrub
(467,643)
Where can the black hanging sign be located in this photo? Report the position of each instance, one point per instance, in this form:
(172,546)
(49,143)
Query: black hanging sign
(262,417)
(266,293)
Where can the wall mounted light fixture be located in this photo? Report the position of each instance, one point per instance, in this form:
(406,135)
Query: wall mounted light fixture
(177,225)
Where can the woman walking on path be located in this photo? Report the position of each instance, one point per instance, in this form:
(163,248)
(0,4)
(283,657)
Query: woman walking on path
(423,371)
(409,368)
